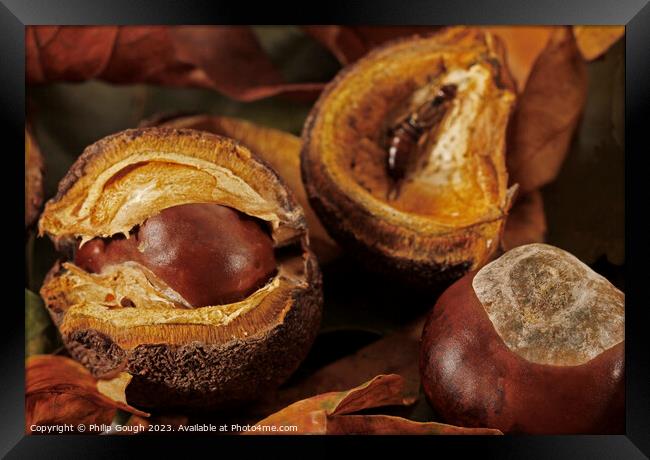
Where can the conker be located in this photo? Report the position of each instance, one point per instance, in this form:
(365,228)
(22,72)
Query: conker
(531,343)
(208,253)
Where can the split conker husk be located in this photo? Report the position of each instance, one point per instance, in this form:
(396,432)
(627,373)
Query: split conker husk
(404,155)
(192,271)
(531,343)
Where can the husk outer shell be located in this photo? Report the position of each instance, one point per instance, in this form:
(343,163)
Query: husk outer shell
(249,185)
(414,247)
(197,366)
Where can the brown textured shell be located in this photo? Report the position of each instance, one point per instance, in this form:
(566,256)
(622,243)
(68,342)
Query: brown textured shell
(195,374)
(203,358)
(155,148)
(429,234)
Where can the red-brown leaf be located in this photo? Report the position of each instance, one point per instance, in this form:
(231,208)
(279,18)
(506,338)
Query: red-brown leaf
(59,390)
(310,415)
(34,167)
(526,221)
(328,413)
(523,45)
(594,41)
(548,113)
(397,353)
(350,43)
(389,425)
(228,59)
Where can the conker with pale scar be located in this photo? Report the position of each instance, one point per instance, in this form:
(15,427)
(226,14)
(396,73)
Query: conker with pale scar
(191,269)
(531,343)
(208,253)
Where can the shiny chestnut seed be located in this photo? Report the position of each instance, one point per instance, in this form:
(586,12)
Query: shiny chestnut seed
(208,253)
(532,343)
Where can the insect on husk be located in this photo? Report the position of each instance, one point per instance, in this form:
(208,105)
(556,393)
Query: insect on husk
(403,138)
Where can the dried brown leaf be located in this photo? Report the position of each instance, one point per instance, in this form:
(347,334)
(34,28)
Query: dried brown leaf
(348,43)
(115,388)
(548,113)
(526,221)
(281,150)
(59,391)
(328,413)
(228,59)
(523,45)
(594,41)
(389,425)
(310,415)
(397,353)
(33,179)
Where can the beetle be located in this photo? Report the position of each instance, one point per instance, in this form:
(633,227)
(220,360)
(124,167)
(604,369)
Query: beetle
(405,135)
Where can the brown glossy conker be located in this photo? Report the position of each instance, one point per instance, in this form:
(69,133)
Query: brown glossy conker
(208,253)
(532,343)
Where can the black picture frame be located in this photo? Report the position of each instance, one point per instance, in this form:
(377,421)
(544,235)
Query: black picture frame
(635,14)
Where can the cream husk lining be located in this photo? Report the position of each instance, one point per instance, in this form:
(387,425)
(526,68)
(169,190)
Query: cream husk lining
(442,170)
(137,194)
(445,156)
(100,296)
(452,176)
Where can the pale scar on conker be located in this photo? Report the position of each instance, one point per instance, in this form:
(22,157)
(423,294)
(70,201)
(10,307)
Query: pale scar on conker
(549,307)
(208,253)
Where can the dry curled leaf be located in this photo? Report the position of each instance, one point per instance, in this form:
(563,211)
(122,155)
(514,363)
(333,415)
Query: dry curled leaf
(328,413)
(228,59)
(33,179)
(397,353)
(348,43)
(281,150)
(526,221)
(594,41)
(548,112)
(60,391)
(387,425)
(523,45)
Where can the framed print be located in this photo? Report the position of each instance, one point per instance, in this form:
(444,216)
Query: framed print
(375,221)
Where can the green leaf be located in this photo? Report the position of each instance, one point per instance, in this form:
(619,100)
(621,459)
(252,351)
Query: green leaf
(41,336)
